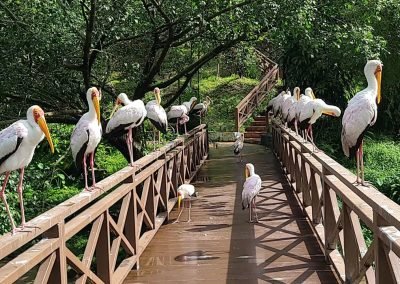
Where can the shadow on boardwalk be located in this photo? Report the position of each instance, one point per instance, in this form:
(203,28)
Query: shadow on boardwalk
(219,246)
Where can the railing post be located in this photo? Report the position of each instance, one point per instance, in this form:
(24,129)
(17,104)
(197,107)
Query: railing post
(59,271)
(237,126)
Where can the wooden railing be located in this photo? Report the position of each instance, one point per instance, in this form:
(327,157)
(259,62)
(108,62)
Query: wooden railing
(248,104)
(118,220)
(341,212)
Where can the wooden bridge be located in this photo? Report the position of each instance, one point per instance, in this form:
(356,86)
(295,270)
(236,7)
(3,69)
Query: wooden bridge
(313,220)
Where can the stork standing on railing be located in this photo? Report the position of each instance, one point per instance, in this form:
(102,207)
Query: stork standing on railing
(179,113)
(157,115)
(251,188)
(185,194)
(201,109)
(291,118)
(313,110)
(360,114)
(300,107)
(275,104)
(129,116)
(288,103)
(87,134)
(238,145)
(17,146)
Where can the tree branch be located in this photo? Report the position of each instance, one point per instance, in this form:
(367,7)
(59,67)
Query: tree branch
(12,16)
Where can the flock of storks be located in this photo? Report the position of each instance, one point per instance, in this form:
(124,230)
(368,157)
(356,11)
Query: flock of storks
(300,112)
(19,140)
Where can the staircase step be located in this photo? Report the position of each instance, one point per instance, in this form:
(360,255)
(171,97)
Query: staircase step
(260,118)
(253,134)
(258,123)
(255,129)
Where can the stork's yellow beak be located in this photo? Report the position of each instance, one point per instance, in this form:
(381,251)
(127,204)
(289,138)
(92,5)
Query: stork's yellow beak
(378,76)
(312,94)
(43,126)
(117,103)
(158,98)
(96,104)
(246,173)
(179,201)
(328,113)
(193,104)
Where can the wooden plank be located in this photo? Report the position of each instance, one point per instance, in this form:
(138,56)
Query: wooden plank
(43,275)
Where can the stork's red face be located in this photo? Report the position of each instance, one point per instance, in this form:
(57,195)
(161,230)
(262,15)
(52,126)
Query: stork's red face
(38,115)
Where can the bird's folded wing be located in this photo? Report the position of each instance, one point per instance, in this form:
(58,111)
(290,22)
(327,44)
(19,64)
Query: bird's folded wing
(10,138)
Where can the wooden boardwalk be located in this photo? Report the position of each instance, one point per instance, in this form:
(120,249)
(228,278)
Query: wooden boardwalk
(220,246)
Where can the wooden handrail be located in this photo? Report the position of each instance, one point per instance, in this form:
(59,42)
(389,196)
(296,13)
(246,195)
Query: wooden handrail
(337,209)
(131,205)
(249,103)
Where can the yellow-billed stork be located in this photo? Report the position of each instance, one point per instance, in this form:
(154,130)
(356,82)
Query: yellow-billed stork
(313,110)
(300,105)
(87,135)
(361,113)
(287,104)
(129,116)
(17,146)
(179,114)
(190,104)
(251,188)
(201,109)
(157,115)
(291,117)
(185,193)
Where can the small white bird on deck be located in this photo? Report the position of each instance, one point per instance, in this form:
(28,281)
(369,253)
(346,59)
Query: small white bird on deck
(129,116)
(288,103)
(17,146)
(313,110)
(185,194)
(179,114)
(156,114)
(360,114)
(300,105)
(87,135)
(238,145)
(251,188)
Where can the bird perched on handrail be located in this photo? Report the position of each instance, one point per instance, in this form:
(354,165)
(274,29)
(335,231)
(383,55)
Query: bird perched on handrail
(291,118)
(313,110)
(238,145)
(251,188)
(190,104)
(360,114)
(179,113)
(17,146)
(87,135)
(300,105)
(157,115)
(288,103)
(129,116)
(185,194)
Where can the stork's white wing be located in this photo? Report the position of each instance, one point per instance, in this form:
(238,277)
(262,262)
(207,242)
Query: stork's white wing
(286,106)
(251,188)
(359,114)
(199,106)
(307,111)
(156,112)
(80,135)
(176,111)
(133,113)
(9,138)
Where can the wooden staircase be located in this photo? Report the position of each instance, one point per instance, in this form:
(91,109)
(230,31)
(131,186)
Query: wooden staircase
(257,129)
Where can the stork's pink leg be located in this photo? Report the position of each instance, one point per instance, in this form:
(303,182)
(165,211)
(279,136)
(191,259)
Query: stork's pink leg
(130,146)
(295,127)
(177,129)
(358,165)
(185,128)
(362,163)
(85,172)
(3,197)
(21,200)
(92,168)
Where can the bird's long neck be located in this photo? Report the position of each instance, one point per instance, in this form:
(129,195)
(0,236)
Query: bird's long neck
(251,171)
(92,110)
(372,82)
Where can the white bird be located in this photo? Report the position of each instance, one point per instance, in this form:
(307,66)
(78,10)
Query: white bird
(201,108)
(190,104)
(275,103)
(185,193)
(238,145)
(251,188)
(277,107)
(179,114)
(291,118)
(304,99)
(17,146)
(129,116)
(157,115)
(87,135)
(313,110)
(361,113)
(288,103)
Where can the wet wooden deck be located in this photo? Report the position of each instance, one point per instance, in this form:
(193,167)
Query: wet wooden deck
(220,246)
